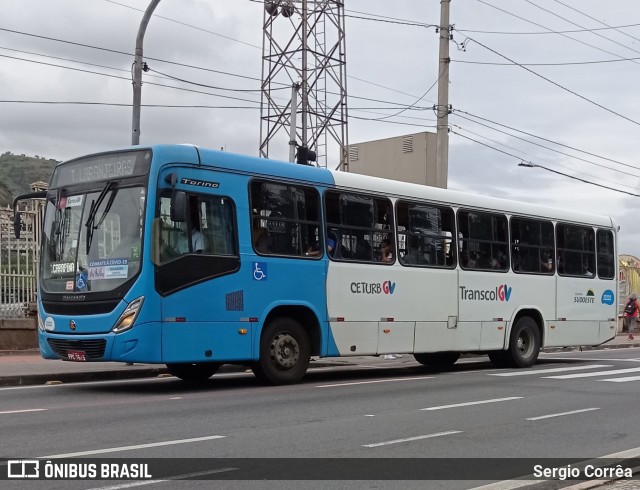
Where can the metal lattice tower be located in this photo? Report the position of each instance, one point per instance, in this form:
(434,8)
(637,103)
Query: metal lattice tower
(304,47)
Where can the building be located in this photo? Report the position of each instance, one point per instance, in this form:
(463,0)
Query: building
(409,158)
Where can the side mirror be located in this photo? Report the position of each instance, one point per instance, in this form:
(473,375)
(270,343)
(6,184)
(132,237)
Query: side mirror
(17,224)
(178,211)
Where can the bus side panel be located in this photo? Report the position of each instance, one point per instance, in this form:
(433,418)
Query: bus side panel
(386,302)
(583,303)
(285,282)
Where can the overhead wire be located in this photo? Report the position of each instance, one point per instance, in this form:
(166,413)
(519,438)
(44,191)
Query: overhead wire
(530,2)
(546,168)
(616,28)
(625,172)
(537,157)
(547,28)
(611,111)
(530,33)
(564,145)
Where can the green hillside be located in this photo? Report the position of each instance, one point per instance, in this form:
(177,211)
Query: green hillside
(17,172)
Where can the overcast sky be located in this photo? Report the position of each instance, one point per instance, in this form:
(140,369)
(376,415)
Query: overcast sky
(577,88)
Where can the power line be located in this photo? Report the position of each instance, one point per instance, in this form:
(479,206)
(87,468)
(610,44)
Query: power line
(417,100)
(202,84)
(128,54)
(546,139)
(115,104)
(578,25)
(546,168)
(548,29)
(618,28)
(550,149)
(565,63)
(574,31)
(556,83)
(533,165)
(525,153)
(187,25)
(125,78)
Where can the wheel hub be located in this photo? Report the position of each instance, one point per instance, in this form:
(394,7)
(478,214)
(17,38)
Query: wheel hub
(285,351)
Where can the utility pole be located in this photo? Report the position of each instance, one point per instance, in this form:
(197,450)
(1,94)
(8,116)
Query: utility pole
(292,129)
(442,112)
(137,73)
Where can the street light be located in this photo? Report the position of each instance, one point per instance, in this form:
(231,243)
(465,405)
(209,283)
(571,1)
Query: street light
(137,73)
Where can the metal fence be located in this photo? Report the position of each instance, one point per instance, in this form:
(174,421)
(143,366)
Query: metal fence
(19,261)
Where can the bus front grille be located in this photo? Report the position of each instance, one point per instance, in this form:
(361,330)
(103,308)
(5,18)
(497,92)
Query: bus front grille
(94,349)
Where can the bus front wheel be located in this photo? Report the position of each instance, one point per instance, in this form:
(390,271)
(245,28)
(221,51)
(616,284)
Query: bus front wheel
(524,343)
(284,352)
(194,372)
(440,359)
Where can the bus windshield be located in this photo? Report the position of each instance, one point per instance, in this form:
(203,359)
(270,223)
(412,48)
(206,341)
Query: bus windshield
(92,240)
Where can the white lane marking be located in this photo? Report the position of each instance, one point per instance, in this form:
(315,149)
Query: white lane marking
(551,370)
(598,373)
(24,411)
(415,438)
(132,448)
(375,381)
(563,413)
(171,478)
(622,380)
(479,402)
(608,359)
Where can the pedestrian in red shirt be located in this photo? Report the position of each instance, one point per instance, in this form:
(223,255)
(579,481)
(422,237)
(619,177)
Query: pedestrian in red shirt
(631,311)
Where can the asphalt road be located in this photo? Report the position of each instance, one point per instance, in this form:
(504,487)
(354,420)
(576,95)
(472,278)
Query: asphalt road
(570,406)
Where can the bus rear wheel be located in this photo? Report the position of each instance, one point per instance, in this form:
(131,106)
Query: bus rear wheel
(441,359)
(284,352)
(193,372)
(524,343)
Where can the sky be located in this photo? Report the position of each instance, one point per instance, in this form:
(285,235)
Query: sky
(546,82)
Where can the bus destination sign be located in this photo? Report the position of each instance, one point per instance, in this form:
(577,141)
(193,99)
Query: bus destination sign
(102,167)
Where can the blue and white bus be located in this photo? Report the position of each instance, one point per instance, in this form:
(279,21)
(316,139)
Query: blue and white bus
(192,258)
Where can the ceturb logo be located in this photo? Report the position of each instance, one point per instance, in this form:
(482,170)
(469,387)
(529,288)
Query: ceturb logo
(500,293)
(386,287)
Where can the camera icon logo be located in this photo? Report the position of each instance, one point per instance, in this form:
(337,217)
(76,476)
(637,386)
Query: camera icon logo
(23,468)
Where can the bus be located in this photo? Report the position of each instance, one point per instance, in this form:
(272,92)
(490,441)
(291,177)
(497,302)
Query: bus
(193,258)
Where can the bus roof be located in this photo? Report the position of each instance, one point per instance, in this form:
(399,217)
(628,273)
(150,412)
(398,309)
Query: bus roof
(320,176)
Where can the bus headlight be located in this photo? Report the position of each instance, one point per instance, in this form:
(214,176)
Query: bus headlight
(129,315)
(40,322)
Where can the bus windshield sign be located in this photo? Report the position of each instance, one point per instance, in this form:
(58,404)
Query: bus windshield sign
(102,167)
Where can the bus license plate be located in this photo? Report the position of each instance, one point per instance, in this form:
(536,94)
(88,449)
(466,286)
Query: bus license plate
(78,356)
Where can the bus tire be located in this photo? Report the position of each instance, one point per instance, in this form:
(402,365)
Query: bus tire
(285,352)
(440,359)
(193,372)
(524,343)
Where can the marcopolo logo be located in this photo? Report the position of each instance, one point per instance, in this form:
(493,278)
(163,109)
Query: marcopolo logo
(500,293)
(386,287)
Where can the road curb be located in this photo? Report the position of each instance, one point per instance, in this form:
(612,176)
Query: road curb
(122,373)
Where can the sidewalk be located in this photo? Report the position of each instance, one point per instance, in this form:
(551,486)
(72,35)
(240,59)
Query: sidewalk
(28,368)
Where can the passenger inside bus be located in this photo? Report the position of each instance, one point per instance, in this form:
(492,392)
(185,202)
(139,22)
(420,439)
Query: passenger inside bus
(547,262)
(386,251)
(260,236)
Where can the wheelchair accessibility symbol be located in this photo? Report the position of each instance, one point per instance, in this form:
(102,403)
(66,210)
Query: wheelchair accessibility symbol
(260,271)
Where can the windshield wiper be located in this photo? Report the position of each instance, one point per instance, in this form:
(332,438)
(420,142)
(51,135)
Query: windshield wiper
(90,224)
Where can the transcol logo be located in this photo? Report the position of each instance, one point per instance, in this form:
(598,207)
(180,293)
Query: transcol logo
(500,293)
(386,287)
